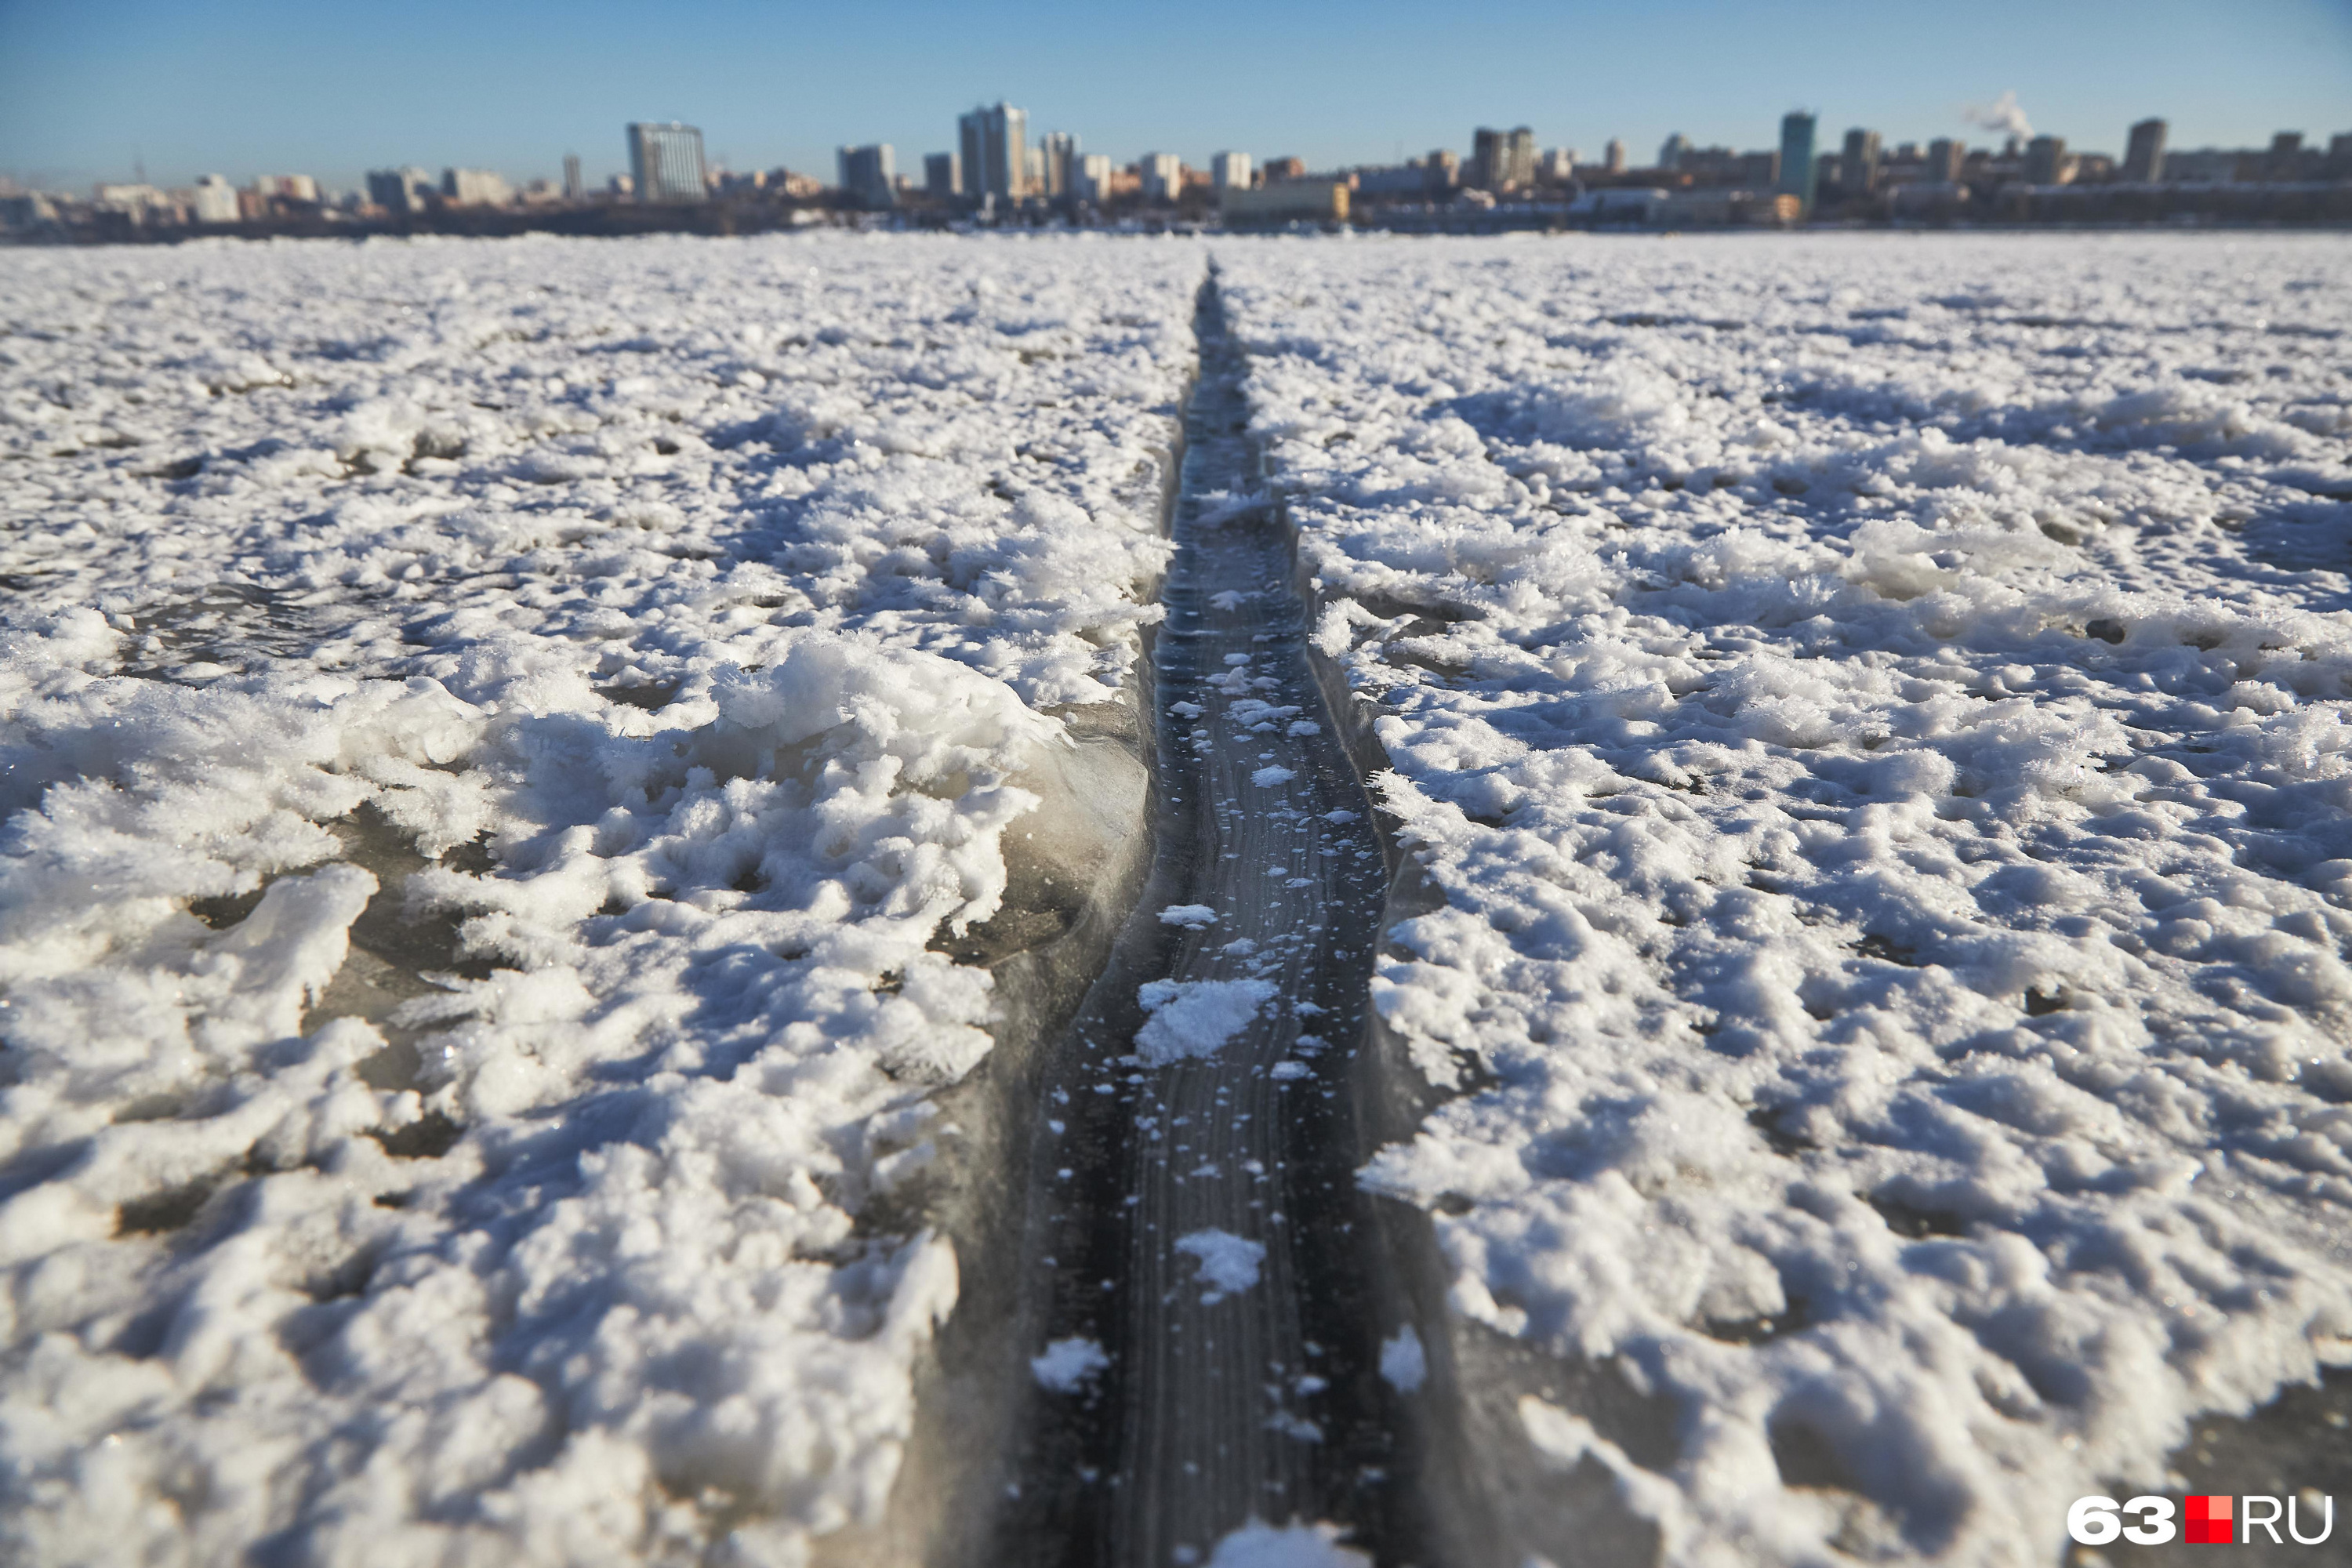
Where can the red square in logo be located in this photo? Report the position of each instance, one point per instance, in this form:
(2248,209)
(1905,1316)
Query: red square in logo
(2207,1519)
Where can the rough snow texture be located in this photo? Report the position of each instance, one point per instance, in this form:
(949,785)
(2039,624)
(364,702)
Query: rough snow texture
(1875,710)
(1195,1017)
(662,621)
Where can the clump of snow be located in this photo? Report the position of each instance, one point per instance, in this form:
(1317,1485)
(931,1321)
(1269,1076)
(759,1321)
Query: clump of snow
(1261,1545)
(1070,1364)
(1266,777)
(1875,709)
(1191,916)
(492,735)
(1195,1017)
(1225,1262)
(1403,1362)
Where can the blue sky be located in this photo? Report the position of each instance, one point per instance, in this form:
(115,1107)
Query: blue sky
(243,86)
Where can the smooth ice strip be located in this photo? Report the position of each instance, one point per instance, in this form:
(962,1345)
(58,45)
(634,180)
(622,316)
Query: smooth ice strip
(1195,1017)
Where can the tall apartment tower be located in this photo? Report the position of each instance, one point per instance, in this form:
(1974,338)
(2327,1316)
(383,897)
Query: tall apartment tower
(1670,155)
(1944,159)
(1797,157)
(944,174)
(403,189)
(666,162)
(869,174)
(1612,157)
(575,187)
(1061,151)
(1230,170)
(1502,160)
(2045,160)
(1163,176)
(1860,169)
(995,152)
(2144,158)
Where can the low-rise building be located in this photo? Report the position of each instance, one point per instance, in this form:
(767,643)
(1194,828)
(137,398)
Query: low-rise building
(474,188)
(214,199)
(1285,202)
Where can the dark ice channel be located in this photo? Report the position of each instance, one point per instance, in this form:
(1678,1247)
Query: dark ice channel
(1217,1403)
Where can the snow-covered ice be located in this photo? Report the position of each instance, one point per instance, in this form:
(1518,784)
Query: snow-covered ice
(492,733)
(1225,1263)
(1875,710)
(1195,1017)
(1192,917)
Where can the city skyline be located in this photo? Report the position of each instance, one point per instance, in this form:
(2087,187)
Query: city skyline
(87,100)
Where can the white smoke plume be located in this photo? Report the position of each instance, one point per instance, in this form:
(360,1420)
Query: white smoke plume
(2001,114)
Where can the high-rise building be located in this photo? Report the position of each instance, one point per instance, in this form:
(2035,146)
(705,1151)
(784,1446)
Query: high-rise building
(2045,161)
(401,190)
(2339,156)
(2143,157)
(1163,176)
(1612,157)
(995,152)
(1670,155)
(1061,151)
(1090,182)
(944,174)
(1230,170)
(665,163)
(1502,160)
(868,174)
(216,200)
(474,188)
(575,187)
(1858,171)
(1944,157)
(1797,157)
(1557,166)
(2286,159)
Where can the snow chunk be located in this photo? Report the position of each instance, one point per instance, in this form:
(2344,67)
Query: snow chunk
(1195,1017)
(1260,1545)
(1273,774)
(1402,1361)
(1192,917)
(1226,1263)
(1068,1364)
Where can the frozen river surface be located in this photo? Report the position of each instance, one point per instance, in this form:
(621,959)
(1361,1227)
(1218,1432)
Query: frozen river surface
(517,758)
